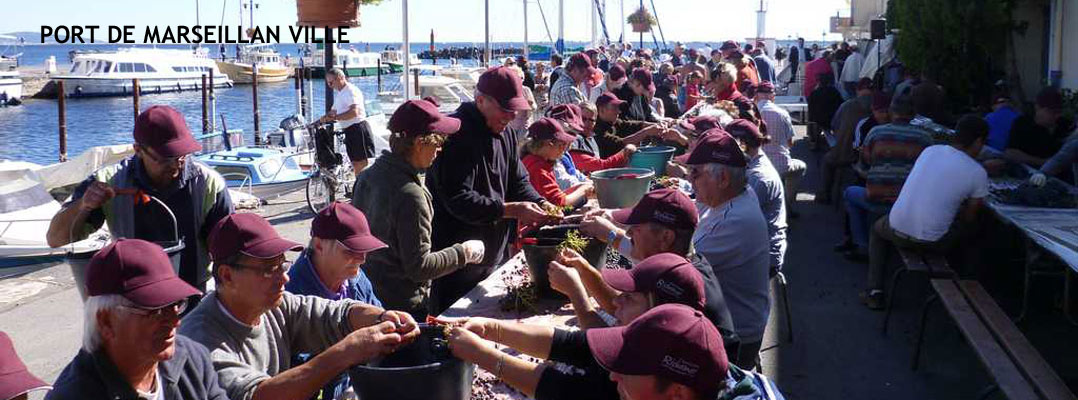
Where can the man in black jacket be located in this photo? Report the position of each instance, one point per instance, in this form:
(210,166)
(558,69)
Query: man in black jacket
(479,185)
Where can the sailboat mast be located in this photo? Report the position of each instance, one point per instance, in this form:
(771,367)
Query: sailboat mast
(594,12)
(526,47)
(561,27)
(405,52)
(486,33)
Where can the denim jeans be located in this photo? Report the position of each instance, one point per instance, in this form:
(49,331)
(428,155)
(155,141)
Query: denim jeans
(862,213)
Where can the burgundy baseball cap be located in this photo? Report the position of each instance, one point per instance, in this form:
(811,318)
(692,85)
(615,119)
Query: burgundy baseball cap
(420,117)
(747,132)
(547,128)
(568,114)
(715,146)
(164,130)
(729,44)
(667,207)
(345,223)
(138,270)
(504,86)
(669,277)
(608,98)
(765,87)
(643,76)
(672,341)
(701,123)
(580,60)
(15,378)
(617,72)
(248,234)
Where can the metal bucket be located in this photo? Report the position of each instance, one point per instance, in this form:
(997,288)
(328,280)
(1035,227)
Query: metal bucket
(539,254)
(424,369)
(80,260)
(653,158)
(621,187)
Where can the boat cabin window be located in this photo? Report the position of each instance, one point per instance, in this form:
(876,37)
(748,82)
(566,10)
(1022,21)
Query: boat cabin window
(126,67)
(140,67)
(270,168)
(233,173)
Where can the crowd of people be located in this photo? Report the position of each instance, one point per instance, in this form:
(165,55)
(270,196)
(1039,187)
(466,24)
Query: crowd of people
(433,216)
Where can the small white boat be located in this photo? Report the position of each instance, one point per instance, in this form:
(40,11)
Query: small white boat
(10,87)
(352,61)
(263,172)
(158,71)
(466,76)
(395,59)
(268,60)
(449,91)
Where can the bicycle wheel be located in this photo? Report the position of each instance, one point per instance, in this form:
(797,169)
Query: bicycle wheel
(320,192)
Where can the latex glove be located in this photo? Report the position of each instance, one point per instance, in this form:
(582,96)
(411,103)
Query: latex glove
(474,251)
(1038,179)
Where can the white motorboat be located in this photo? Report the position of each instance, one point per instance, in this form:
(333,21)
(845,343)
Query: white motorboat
(10,87)
(395,59)
(270,66)
(466,76)
(9,59)
(353,62)
(158,71)
(449,91)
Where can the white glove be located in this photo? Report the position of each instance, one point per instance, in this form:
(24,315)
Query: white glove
(1038,179)
(473,251)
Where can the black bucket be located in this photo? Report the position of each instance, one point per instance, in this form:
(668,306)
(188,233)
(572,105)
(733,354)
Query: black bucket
(424,369)
(539,255)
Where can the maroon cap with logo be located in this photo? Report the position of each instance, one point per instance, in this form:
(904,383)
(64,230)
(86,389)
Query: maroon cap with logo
(747,132)
(580,60)
(729,45)
(503,84)
(715,146)
(669,277)
(672,341)
(643,76)
(420,117)
(138,270)
(608,98)
(163,129)
(15,378)
(701,123)
(617,72)
(568,114)
(667,207)
(345,223)
(547,128)
(248,234)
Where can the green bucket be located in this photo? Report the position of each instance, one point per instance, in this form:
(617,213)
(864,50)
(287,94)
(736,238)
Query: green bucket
(621,187)
(653,158)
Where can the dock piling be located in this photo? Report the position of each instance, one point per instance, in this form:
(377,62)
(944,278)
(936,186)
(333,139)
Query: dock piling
(205,107)
(136,90)
(254,93)
(62,104)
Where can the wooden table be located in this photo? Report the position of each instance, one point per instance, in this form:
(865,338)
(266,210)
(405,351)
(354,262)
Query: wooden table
(483,301)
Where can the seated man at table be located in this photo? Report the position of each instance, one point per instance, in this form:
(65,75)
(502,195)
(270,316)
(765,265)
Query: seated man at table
(660,279)
(612,132)
(1035,138)
(329,267)
(130,349)
(663,221)
(732,236)
(946,181)
(253,327)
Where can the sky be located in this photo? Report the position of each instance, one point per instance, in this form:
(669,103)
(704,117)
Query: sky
(452,20)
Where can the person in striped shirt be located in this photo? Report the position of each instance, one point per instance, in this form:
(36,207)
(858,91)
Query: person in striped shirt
(781,131)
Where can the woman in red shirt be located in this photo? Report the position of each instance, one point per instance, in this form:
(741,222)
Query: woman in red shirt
(547,142)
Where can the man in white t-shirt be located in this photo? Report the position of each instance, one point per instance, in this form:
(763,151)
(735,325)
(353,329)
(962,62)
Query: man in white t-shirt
(945,181)
(351,116)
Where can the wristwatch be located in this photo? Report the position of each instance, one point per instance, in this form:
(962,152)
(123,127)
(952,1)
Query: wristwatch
(611,236)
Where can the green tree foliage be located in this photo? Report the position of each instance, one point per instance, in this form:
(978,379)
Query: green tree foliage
(962,44)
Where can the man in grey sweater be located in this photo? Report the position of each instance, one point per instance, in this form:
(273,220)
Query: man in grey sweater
(252,327)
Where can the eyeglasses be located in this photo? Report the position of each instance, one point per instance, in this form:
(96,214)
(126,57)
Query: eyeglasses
(176,308)
(165,160)
(280,269)
(588,119)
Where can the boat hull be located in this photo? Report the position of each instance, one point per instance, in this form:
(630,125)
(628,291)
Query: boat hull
(99,86)
(10,85)
(395,68)
(241,73)
(320,72)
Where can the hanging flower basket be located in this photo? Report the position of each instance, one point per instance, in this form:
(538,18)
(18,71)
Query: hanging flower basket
(641,20)
(332,13)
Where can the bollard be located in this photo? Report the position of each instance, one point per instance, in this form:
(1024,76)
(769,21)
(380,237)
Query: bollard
(205,107)
(254,93)
(136,90)
(62,120)
(415,73)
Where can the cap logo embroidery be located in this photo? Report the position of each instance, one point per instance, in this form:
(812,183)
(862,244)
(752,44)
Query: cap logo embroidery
(680,366)
(670,288)
(720,155)
(664,216)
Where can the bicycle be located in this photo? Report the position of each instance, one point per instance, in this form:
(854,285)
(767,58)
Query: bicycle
(332,178)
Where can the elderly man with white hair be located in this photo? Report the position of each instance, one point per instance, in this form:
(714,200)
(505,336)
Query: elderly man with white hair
(732,235)
(130,347)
